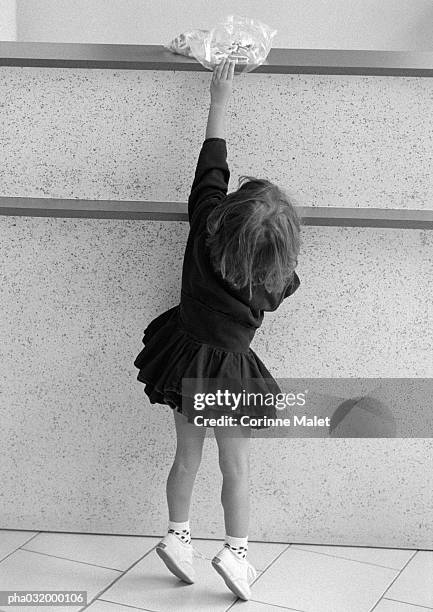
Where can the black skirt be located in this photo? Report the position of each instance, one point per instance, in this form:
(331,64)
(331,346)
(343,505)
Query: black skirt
(171,353)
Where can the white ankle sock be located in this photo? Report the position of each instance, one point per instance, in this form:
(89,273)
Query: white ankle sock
(239,546)
(180,530)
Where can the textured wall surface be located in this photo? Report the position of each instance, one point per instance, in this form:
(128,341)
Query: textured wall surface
(82,450)
(135,135)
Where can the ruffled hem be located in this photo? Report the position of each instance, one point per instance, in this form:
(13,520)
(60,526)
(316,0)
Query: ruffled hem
(170,354)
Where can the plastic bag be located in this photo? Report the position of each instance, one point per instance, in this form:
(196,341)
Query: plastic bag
(246,40)
(182,44)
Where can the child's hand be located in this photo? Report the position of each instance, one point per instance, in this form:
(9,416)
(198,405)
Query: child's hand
(222,80)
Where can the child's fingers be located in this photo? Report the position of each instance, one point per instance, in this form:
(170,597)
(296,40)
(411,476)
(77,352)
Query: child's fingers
(226,68)
(220,68)
(232,69)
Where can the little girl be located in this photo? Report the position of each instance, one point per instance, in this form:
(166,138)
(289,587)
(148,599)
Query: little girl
(239,261)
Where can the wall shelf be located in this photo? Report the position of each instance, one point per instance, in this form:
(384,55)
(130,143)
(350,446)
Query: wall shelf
(177,211)
(156,57)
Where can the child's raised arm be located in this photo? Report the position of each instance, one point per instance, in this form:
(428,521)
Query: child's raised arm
(220,91)
(212,172)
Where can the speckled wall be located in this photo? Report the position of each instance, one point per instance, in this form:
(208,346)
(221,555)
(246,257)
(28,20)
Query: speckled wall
(82,450)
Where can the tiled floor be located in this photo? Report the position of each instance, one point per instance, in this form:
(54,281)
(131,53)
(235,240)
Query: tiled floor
(123,574)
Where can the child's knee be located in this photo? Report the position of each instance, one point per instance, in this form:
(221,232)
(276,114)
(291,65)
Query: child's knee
(187,464)
(234,467)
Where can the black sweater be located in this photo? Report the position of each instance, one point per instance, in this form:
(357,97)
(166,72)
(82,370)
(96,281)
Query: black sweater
(211,310)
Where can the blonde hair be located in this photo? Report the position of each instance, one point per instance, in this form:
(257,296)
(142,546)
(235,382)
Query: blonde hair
(254,236)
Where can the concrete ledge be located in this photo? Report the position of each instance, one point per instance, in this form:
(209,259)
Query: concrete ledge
(177,211)
(156,57)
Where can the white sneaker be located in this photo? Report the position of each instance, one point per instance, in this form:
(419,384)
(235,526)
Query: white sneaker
(177,556)
(237,573)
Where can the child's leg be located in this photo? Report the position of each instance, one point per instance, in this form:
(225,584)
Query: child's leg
(182,475)
(233,446)
(230,562)
(175,548)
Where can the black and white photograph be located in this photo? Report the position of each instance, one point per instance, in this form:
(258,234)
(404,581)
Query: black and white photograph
(216,306)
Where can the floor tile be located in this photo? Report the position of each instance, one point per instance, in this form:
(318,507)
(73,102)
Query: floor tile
(24,570)
(150,585)
(10,540)
(388,605)
(319,583)
(255,606)
(415,583)
(111,551)
(104,606)
(387,557)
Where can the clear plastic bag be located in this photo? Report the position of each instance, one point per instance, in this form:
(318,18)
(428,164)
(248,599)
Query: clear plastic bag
(182,44)
(246,40)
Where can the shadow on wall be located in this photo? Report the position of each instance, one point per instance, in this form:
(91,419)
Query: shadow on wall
(356,408)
